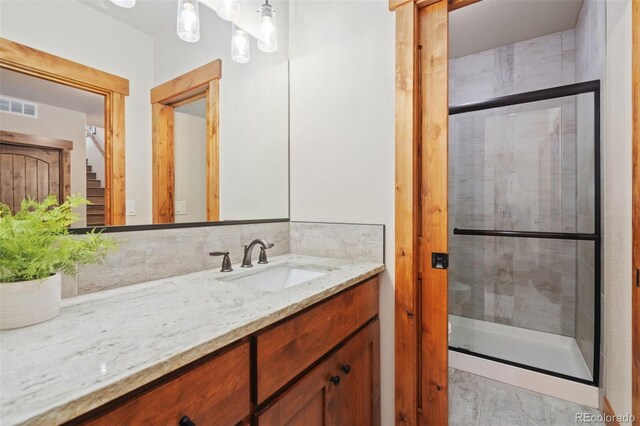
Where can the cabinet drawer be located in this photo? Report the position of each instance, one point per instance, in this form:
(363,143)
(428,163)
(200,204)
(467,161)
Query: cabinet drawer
(213,393)
(287,349)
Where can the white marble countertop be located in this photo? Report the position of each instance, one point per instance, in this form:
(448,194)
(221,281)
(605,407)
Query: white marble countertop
(106,344)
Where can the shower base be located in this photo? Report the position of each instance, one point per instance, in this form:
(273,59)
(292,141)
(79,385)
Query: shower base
(546,351)
(532,348)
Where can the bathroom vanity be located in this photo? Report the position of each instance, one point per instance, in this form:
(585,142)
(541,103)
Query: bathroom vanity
(206,348)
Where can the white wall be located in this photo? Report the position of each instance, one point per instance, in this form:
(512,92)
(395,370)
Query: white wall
(190,142)
(253,114)
(58,123)
(85,35)
(617,206)
(342,131)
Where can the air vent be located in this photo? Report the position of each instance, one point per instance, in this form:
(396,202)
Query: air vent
(18,106)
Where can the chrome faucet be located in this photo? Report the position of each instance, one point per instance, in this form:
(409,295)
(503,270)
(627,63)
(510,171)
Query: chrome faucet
(264,245)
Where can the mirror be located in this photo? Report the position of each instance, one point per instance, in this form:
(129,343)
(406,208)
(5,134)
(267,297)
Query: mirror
(104,142)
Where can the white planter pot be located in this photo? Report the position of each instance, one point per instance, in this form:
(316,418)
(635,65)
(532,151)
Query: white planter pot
(25,303)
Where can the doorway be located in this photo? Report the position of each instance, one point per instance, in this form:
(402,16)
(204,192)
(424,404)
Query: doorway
(18,58)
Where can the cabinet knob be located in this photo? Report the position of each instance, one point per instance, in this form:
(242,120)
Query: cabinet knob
(335,380)
(186,421)
(346,369)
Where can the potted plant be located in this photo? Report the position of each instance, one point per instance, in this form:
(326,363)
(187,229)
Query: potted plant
(35,247)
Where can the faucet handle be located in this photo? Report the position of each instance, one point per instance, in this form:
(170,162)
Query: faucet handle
(263,256)
(226,261)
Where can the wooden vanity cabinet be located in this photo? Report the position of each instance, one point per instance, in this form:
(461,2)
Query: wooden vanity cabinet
(343,390)
(320,366)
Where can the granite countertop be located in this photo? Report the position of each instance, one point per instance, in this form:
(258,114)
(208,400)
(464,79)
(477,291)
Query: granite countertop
(106,344)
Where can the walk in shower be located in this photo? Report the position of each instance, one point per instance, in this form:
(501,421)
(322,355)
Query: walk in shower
(524,230)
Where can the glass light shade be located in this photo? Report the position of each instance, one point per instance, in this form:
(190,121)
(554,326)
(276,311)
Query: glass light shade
(228,9)
(240,46)
(267,39)
(188,20)
(124,3)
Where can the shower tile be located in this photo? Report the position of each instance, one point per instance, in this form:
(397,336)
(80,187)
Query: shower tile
(473,77)
(538,63)
(535,308)
(465,391)
(505,405)
(503,70)
(568,40)
(568,57)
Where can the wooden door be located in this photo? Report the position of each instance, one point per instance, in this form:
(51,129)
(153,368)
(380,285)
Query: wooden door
(328,395)
(29,172)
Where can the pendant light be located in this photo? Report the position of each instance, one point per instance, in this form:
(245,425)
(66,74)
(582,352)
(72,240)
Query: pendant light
(267,39)
(188,20)
(124,3)
(240,46)
(228,9)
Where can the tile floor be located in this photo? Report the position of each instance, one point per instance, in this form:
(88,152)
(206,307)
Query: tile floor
(475,400)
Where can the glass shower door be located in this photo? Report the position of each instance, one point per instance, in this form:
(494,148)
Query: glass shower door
(524,234)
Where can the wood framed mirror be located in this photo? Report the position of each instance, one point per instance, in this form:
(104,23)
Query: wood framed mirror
(36,63)
(200,83)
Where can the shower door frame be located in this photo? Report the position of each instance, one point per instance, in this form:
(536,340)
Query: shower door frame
(536,96)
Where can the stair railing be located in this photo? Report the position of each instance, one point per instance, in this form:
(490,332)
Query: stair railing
(91,135)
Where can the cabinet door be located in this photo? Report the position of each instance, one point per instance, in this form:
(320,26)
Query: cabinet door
(304,404)
(355,400)
(343,390)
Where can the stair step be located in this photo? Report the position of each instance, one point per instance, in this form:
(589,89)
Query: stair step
(95,192)
(93,209)
(88,168)
(93,183)
(91,175)
(96,199)
(92,224)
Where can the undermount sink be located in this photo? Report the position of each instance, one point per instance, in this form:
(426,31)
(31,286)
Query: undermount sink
(278,277)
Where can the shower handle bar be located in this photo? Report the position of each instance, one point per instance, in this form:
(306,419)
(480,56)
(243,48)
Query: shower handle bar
(527,234)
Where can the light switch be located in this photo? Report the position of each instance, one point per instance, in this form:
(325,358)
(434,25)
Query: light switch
(131,207)
(181,207)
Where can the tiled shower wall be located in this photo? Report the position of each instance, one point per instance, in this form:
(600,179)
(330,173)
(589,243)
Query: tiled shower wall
(514,169)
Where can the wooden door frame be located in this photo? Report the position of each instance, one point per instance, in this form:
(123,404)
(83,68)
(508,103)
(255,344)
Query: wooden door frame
(635,273)
(202,82)
(422,115)
(62,145)
(36,63)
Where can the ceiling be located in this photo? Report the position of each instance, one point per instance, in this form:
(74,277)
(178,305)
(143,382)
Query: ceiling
(149,16)
(34,89)
(492,23)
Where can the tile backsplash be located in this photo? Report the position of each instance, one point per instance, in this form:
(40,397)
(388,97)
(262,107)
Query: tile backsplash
(155,254)
(151,255)
(341,240)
